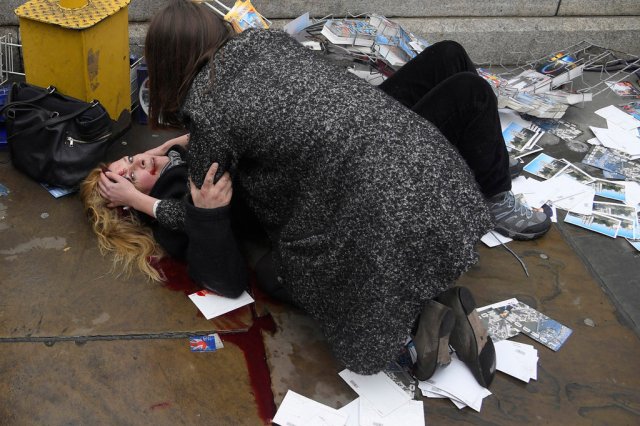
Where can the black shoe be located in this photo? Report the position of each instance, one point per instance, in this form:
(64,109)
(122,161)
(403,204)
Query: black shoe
(469,337)
(432,338)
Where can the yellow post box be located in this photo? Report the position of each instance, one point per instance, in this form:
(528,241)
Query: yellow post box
(79,46)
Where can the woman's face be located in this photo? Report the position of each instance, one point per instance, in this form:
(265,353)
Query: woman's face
(143,170)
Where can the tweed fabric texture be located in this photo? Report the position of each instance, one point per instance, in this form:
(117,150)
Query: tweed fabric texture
(370,210)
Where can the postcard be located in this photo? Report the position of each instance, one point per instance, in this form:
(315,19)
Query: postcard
(209,343)
(620,211)
(595,222)
(561,128)
(352,412)
(58,192)
(297,410)
(624,88)
(497,325)
(212,305)
(612,161)
(518,138)
(632,108)
(634,243)
(577,174)
(608,189)
(627,228)
(537,325)
(545,166)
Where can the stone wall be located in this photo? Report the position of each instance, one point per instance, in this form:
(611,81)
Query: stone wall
(493,31)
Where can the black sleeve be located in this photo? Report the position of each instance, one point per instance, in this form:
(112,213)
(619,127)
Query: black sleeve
(213,256)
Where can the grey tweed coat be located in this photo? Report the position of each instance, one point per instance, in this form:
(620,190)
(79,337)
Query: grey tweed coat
(370,210)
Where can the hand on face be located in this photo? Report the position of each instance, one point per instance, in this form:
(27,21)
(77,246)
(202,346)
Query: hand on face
(212,195)
(116,189)
(142,170)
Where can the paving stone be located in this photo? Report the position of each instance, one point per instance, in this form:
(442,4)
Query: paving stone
(141,382)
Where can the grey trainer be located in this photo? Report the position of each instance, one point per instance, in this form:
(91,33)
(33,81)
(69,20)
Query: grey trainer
(515,220)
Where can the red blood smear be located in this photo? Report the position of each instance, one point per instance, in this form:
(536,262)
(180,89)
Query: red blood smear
(177,278)
(252,346)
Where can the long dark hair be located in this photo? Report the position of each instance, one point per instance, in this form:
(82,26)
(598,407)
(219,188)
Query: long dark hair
(181,39)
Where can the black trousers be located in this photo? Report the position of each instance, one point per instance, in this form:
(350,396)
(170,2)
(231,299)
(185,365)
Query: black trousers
(442,85)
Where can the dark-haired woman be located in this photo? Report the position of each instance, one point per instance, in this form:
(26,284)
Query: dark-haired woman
(371,212)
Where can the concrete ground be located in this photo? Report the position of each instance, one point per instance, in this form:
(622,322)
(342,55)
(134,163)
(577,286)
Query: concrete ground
(80,344)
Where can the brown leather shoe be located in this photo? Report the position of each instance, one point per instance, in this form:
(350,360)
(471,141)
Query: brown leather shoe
(432,338)
(469,337)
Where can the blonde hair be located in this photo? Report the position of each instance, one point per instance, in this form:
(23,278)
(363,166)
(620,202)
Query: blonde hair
(119,232)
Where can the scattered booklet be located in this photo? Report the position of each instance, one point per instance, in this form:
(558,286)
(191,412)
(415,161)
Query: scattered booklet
(612,161)
(536,325)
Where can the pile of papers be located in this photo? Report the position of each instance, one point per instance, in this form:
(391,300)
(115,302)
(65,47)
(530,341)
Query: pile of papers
(380,402)
(373,41)
(455,382)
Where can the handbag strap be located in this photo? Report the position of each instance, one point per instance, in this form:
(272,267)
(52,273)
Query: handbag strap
(57,119)
(48,91)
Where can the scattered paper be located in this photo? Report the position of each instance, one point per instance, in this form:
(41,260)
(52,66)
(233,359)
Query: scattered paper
(457,381)
(211,305)
(493,239)
(410,414)
(517,360)
(618,117)
(382,392)
(297,410)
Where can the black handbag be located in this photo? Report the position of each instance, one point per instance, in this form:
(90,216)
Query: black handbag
(53,138)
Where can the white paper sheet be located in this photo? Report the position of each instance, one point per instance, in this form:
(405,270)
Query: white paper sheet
(211,305)
(352,411)
(516,360)
(494,238)
(619,117)
(298,410)
(457,380)
(410,414)
(382,392)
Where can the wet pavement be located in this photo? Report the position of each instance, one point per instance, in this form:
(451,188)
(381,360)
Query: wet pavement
(80,344)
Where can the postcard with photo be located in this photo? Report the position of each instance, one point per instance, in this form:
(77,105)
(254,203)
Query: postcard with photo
(612,161)
(538,326)
(635,243)
(545,166)
(624,88)
(595,222)
(577,174)
(494,319)
(563,129)
(632,108)
(527,151)
(608,189)
(519,138)
(556,64)
(620,211)
(627,228)
(58,192)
